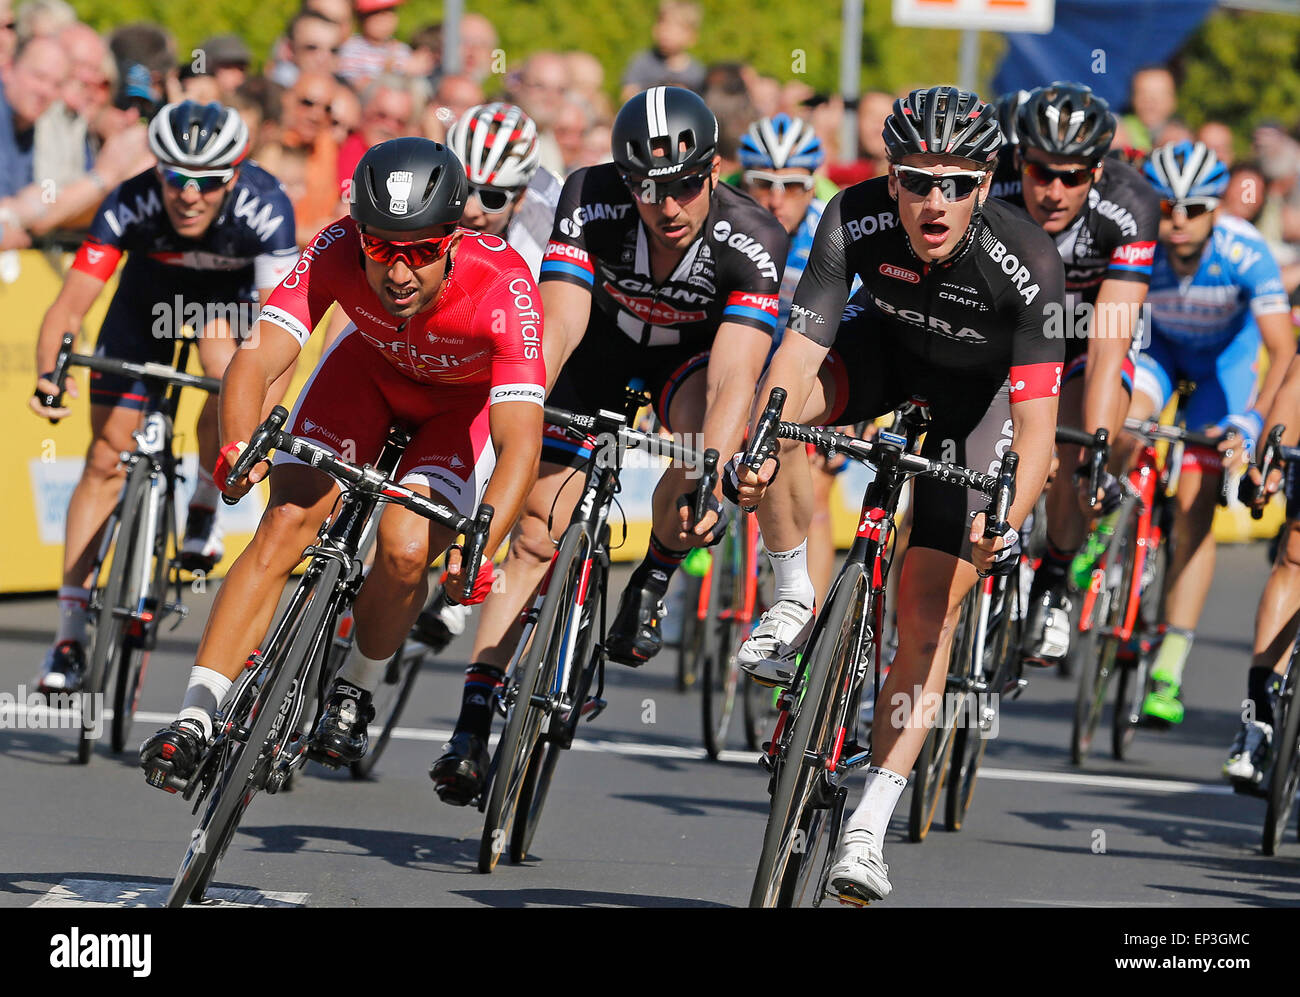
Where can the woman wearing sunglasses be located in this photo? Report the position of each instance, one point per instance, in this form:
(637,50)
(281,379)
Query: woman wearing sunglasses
(1216,294)
(1103,217)
(444,340)
(956,288)
(206,235)
(509,195)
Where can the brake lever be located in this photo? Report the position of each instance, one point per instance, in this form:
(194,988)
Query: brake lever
(475,543)
(59,375)
(258,449)
(708,480)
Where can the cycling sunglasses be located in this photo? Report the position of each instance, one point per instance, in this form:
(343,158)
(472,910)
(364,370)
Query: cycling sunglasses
(956,186)
(1044,175)
(1192,207)
(414,254)
(683,189)
(204,181)
(758,180)
(493,200)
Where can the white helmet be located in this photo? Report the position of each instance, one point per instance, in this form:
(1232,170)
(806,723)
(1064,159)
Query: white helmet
(497,143)
(198,136)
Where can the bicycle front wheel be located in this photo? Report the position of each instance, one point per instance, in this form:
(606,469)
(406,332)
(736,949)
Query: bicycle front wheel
(720,671)
(139,636)
(114,607)
(1286,765)
(533,683)
(304,629)
(801,781)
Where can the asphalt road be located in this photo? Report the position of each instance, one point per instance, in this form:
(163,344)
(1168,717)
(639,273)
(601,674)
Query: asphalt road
(639,817)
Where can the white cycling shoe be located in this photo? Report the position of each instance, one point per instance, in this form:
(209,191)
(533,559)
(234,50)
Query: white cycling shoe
(769,655)
(859,874)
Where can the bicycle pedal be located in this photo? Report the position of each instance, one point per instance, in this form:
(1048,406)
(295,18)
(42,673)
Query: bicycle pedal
(593,708)
(846,900)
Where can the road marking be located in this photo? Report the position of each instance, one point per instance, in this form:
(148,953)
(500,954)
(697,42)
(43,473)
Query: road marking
(645,749)
(115,893)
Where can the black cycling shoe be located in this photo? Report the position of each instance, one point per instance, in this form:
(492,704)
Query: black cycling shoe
(64,668)
(634,636)
(430,629)
(461,771)
(202,545)
(341,737)
(172,754)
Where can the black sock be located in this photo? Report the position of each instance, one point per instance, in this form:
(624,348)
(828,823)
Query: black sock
(1258,680)
(658,567)
(481,682)
(1051,570)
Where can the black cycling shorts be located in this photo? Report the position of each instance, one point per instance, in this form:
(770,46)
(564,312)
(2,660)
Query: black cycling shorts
(970,421)
(585,391)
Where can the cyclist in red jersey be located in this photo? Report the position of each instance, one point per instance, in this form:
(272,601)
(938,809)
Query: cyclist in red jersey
(445,340)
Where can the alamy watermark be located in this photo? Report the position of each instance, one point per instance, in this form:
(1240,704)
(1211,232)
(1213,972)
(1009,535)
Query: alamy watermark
(210,319)
(35,710)
(1104,321)
(652,453)
(976,711)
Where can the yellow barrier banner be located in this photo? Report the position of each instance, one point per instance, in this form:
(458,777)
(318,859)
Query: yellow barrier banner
(43,462)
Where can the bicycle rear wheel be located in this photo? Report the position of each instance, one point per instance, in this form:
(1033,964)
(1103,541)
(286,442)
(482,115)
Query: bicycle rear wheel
(389,700)
(801,782)
(931,771)
(110,623)
(535,677)
(1285,777)
(1098,649)
(138,638)
(689,646)
(546,755)
(304,630)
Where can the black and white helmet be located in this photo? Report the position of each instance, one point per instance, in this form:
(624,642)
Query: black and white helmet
(671,121)
(944,120)
(1067,119)
(1008,108)
(198,136)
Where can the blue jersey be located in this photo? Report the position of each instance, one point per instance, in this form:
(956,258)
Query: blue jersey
(251,244)
(1237,279)
(800,246)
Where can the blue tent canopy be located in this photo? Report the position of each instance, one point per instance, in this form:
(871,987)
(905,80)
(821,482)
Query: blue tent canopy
(1101,43)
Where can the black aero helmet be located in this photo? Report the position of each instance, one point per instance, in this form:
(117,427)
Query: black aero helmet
(406,184)
(663,132)
(944,120)
(198,136)
(1067,119)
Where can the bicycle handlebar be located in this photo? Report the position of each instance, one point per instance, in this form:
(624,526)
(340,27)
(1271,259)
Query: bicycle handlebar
(1272,456)
(156,373)
(269,436)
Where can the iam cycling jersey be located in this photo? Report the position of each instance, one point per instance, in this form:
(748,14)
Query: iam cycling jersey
(169,280)
(1204,326)
(1114,238)
(530,227)
(437,373)
(657,332)
(968,334)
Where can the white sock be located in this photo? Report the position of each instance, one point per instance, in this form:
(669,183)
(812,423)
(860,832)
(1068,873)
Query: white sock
(206,492)
(72,614)
(207,689)
(362,671)
(790,572)
(879,798)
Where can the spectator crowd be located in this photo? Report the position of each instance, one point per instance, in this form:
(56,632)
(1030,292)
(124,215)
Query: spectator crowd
(339,80)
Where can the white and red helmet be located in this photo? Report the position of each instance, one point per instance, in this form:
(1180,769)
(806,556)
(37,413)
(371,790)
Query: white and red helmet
(497,143)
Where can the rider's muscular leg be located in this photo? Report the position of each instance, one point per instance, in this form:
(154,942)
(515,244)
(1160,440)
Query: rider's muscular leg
(1065,524)
(97,491)
(396,587)
(1191,566)
(821,542)
(246,602)
(931,591)
(1278,616)
(525,563)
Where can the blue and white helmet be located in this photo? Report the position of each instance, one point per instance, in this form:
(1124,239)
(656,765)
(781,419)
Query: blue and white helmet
(1186,169)
(781,142)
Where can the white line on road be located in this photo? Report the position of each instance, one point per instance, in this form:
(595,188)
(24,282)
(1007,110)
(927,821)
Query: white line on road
(115,893)
(642,749)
